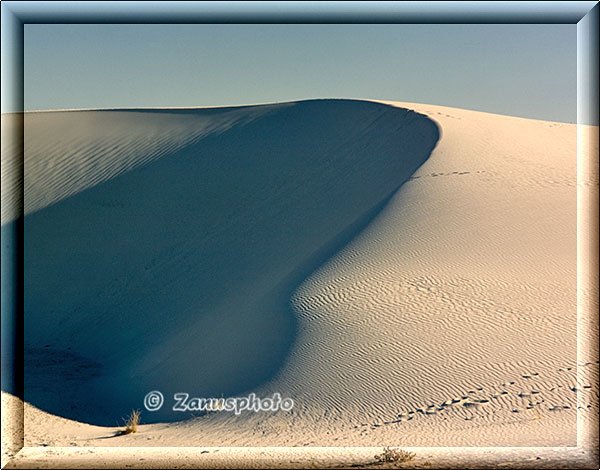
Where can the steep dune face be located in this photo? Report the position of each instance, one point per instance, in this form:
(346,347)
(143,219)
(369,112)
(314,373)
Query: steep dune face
(162,247)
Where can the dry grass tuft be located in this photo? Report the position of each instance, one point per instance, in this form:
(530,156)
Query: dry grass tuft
(394,456)
(132,422)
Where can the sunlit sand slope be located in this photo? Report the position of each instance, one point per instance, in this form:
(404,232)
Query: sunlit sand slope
(451,319)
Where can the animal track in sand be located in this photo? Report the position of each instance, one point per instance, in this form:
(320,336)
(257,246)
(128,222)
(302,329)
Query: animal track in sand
(448,116)
(522,401)
(433,175)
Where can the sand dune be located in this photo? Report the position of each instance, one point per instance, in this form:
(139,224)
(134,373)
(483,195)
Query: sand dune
(173,271)
(315,249)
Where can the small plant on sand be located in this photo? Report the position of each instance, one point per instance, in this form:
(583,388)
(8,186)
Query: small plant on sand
(132,422)
(394,455)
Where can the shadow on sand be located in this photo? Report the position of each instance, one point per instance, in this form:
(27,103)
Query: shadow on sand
(176,275)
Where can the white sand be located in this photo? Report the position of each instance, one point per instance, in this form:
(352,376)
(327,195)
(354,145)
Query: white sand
(448,319)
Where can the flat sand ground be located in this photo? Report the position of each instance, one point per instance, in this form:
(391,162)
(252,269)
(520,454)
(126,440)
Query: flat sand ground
(450,319)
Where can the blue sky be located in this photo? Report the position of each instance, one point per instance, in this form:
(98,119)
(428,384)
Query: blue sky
(519,70)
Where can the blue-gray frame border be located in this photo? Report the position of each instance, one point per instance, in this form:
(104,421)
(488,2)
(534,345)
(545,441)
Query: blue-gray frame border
(15,14)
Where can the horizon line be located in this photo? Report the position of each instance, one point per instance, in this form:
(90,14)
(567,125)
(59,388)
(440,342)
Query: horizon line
(382,101)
